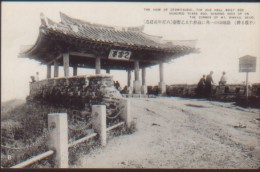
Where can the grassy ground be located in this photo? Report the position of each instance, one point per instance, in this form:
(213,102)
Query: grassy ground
(23,130)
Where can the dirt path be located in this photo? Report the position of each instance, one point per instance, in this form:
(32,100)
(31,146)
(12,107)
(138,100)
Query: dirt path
(183,133)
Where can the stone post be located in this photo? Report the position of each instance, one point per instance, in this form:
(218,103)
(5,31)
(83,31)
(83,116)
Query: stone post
(108,71)
(125,115)
(58,133)
(99,122)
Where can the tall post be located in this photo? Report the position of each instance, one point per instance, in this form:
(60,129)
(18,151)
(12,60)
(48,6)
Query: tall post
(75,70)
(129,78)
(56,68)
(58,133)
(143,76)
(137,70)
(246,86)
(144,87)
(129,88)
(98,65)
(137,87)
(161,72)
(66,64)
(162,85)
(126,115)
(49,71)
(98,115)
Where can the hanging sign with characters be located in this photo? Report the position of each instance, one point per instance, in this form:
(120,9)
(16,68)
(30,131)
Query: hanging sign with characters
(119,54)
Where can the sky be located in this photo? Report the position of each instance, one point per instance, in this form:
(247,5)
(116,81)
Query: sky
(220,46)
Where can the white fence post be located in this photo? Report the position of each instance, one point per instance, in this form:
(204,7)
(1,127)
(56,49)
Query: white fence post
(58,130)
(125,115)
(99,122)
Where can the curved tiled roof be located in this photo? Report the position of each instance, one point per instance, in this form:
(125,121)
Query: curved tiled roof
(132,37)
(102,33)
(111,34)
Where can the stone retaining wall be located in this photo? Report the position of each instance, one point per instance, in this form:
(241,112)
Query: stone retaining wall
(229,91)
(77,92)
(256,89)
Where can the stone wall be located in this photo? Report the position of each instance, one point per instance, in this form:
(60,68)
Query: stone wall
(153,90)
(181,90)
(78,92)
(229,91)
(256,89)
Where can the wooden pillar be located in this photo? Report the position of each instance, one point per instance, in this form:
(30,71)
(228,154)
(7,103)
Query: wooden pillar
(66,63)
(161,72)
(75,70)
(246,86)
(143,76)
(108,71)
(137,86)
(162,85)
(143,87)
(129,88)
(49,71)
(56,68)
(98,65)
(129,78)
(136,70)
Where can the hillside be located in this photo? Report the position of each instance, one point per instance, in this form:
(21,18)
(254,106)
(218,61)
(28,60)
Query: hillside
(7,106)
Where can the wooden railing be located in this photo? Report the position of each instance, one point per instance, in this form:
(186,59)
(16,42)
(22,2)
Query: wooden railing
(58,134)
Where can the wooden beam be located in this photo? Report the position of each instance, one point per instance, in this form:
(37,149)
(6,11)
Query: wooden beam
(34,159)
(90,55)
(90,136)
(56,59)
(83,54)
(115,126)
(151,61)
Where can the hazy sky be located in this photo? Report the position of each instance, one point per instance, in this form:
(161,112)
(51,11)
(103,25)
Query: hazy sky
(220,46)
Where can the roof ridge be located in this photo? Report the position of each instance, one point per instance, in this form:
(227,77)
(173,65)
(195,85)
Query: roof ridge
(64,18)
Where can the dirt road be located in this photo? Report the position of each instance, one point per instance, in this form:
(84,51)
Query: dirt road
(183,133)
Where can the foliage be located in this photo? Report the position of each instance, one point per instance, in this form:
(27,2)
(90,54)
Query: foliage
(23,134)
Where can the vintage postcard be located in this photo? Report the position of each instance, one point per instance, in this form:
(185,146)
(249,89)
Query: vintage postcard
(130,85)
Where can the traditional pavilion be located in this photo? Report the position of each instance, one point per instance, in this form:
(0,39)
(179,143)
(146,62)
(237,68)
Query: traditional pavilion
(77,43)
